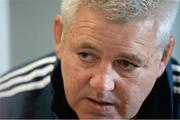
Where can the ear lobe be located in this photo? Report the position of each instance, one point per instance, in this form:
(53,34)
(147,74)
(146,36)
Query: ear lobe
(166,55)
(57,34)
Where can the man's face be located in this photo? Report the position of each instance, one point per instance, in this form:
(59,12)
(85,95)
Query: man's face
(108,68)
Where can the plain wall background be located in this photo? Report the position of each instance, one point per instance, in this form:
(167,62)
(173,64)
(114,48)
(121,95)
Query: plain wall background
(31,23)
(176,33)
(4,36)
(31,36)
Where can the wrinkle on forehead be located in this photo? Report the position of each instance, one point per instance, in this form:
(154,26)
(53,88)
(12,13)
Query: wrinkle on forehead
(91,25)
(137,34)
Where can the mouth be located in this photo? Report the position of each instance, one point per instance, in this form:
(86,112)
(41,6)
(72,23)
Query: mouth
(100,107)
(100,102)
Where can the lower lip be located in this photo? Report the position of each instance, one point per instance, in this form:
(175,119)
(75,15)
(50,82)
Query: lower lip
(99,108)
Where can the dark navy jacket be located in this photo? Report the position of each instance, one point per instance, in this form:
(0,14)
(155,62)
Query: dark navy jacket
(35,90)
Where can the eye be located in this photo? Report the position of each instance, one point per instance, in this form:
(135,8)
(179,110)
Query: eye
(126,65)
(86,57)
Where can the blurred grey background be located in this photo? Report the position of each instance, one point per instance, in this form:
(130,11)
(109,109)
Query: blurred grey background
(26,31)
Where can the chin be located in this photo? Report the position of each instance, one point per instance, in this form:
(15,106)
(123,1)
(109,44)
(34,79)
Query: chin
(98,116)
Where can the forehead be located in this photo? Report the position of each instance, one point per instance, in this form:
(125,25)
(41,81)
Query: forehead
(87,20)
(91,25)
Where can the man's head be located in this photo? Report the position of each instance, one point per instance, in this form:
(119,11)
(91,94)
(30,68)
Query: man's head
(112,52)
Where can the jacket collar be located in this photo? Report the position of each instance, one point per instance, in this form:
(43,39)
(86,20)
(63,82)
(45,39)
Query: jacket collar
(60,106)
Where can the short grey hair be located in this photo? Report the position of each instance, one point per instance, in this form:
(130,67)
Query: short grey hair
(163,12)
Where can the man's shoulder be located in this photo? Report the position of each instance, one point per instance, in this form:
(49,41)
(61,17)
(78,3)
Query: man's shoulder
(176,76)
(30,76)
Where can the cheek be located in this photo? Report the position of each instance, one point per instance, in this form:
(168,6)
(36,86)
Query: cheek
(75,82)
(147,82)
(135,92)
(73,74)
(131,100)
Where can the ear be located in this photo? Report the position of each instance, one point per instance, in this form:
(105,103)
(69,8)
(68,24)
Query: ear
(57,34)
(166,55)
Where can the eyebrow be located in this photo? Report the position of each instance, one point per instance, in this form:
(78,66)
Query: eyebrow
(129,56)
(86,45)
(134,57)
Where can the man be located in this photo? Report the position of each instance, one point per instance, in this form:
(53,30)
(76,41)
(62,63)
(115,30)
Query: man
(113,62)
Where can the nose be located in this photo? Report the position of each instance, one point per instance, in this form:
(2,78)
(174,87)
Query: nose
(104,79)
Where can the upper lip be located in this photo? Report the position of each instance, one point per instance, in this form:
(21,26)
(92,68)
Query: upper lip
(101,102)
